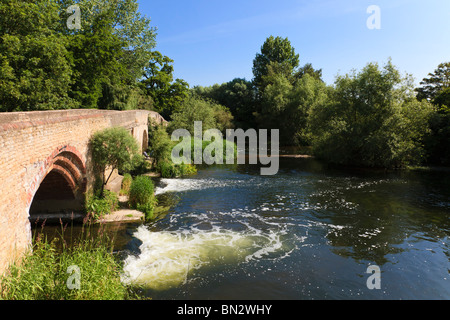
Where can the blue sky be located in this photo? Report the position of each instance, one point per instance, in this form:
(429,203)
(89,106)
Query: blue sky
(215,41)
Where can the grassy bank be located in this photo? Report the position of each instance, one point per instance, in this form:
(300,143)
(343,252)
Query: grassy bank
(56,270)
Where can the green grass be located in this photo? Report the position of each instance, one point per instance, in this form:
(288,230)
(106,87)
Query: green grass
(43,273)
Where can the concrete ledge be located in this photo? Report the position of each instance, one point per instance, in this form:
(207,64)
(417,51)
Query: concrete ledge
(124,215)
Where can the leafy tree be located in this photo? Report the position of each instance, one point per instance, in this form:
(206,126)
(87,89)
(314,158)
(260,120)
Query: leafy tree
(287,106)
(436,89)
(96,57)
(44,65)
(372,120)
(35,66)
(212,115)
(276,50)
(237,95)
(308,69)
(142,196)
(110,53)
(168,95)
(438,81)
(114,149)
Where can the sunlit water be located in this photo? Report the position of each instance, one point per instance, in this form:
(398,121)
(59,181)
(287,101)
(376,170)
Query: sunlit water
(309,232)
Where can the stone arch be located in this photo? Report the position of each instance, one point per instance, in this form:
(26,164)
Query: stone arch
(60,184)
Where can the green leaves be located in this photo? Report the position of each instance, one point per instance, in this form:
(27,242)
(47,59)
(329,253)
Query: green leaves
(275,50)
(168,95)
(372,120)
(436,82)
(35,71)
(44,65)
(114,148)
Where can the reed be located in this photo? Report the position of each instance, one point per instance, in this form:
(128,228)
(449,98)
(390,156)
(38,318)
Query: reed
(46,273)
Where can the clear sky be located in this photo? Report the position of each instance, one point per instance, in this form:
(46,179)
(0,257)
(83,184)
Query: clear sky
(214,41)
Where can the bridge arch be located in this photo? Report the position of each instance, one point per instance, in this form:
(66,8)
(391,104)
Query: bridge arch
(59,186)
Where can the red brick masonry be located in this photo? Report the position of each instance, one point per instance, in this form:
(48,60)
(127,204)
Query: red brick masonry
(33,144)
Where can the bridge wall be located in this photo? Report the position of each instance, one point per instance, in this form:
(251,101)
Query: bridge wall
(32,144)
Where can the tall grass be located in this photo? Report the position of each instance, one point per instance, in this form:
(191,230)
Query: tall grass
(43,273)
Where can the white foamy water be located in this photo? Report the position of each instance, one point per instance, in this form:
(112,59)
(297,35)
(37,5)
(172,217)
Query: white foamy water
(168,258)
(179,185)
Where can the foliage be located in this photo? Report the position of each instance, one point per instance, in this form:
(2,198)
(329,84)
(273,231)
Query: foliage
(112,149)
(170,170)
(109,53)
(99,206)
(238,95)
(211,114)
(43,273)
(44,65)
(286,105)
(168,95)
(438,141)
(35,64)
(126,184)
(372,120)
(436,89)
(437,81)
(141,196)
(160,144)
(276,50)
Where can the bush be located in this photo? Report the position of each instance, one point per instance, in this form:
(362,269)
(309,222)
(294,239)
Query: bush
(126,184)
(142,197)
(170,170)
(98,207)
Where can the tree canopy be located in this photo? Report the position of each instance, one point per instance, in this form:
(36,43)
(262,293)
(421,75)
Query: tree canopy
(275,51)
(45,65)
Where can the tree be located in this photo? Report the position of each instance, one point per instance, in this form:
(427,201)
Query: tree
(114,149)
(168,95)
(96,52)
(238,96)
(436,89)
(35,65)
(372,120)
(211,114)
(45,65)
(308,69)
(437,81)
(287,106)
(109,53)
(276,50)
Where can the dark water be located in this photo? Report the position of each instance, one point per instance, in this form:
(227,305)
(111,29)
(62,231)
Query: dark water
(309,232)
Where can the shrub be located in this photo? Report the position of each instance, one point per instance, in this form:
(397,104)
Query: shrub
(170,170)
(126,184)
(98,206)
(142,197)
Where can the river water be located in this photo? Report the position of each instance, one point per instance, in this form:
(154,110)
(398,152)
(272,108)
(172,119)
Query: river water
(309,232)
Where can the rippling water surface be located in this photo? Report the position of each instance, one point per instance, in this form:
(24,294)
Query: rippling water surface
(309,232)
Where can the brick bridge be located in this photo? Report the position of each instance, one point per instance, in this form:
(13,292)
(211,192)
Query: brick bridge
(45,163)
